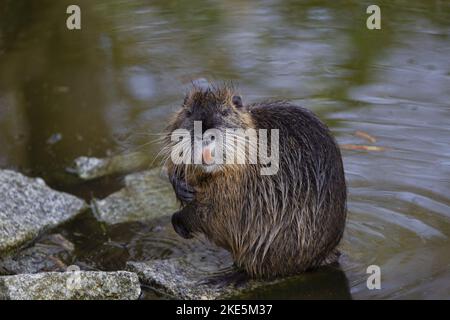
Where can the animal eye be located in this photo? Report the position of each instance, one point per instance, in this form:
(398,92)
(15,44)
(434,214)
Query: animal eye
(237,101)
(188,112)
(225,112)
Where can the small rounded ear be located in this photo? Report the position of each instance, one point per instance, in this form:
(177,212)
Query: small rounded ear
(237,101)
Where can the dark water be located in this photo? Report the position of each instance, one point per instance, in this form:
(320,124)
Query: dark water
(99,91)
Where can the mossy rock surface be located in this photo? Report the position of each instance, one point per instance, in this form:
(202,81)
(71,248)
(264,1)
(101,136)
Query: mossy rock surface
(208,274)
(28,208)
(146,195)
(77,285)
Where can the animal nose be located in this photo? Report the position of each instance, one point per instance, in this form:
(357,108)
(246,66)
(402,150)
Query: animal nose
(209,137)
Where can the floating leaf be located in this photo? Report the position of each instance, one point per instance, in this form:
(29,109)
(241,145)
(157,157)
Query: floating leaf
(361,147)
(366,136)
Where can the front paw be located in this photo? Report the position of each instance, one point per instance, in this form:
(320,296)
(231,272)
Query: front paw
(184,192)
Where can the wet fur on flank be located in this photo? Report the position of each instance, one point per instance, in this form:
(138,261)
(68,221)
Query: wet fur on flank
(274,225)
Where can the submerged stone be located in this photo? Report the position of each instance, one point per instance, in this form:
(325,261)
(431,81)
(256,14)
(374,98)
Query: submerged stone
(88,168)
(146,195)
(50,253)
(28,207)
(76,285)
(209,274)
(198,275)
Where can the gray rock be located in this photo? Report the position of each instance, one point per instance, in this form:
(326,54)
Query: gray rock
(88,168)
(75,285)
(193,276)
(28,207)
(50,253)
(146,196)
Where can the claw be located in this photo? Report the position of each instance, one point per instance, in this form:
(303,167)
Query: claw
(184,192)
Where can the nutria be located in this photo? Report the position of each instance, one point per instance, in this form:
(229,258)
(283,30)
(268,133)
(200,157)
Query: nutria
(273,225)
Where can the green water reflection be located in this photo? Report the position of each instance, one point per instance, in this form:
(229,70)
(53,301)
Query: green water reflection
(96,91)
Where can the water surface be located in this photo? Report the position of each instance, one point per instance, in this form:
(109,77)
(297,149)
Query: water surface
(102,90)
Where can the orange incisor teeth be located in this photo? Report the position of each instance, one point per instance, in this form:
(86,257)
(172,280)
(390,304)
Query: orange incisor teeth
(207,156)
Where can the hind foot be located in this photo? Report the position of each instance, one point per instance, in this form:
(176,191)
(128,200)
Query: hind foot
(237,279)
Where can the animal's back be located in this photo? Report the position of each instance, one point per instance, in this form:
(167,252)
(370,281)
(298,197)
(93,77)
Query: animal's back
(291,221)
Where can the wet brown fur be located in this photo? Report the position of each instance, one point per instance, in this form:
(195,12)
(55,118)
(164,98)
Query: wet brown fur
(273,225)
